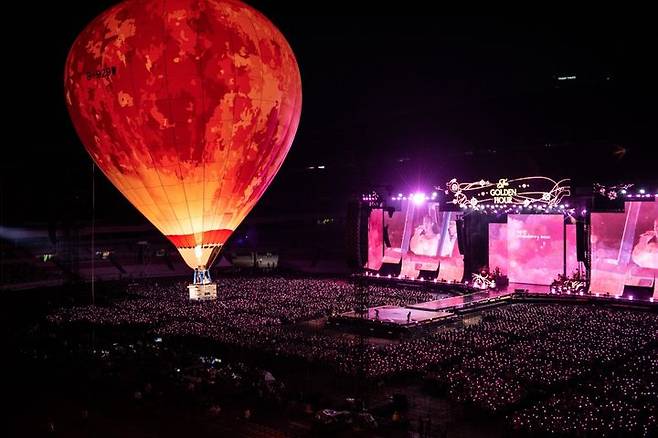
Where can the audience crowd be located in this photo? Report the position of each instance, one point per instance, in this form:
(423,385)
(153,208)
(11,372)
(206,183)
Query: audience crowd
(551,368)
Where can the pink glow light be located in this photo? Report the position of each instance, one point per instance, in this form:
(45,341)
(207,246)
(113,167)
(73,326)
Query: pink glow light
(418,198)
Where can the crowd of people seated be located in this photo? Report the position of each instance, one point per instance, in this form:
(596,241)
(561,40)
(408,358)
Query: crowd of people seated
(531,362)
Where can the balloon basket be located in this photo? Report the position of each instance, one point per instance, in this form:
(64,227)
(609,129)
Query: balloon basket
(202,292)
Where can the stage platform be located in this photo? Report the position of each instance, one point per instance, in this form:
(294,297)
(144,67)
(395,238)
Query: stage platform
(392,320)
(398,315)
(456,302)
(437,311)
(478,297)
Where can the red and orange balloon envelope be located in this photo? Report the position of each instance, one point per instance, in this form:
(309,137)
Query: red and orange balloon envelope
(189,107)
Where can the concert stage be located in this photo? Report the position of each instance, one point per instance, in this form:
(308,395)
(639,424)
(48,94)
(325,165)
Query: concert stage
(529,229)
(392,320)
(398,315)
(435,311)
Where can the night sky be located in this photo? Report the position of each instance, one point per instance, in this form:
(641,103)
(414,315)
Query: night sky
(390,101)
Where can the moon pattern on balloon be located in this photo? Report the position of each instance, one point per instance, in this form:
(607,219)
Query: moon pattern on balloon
(189,107)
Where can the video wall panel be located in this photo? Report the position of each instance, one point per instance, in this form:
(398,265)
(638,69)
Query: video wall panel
(375,239)
(535,246)
(394,225)
(419,236)
(625,248)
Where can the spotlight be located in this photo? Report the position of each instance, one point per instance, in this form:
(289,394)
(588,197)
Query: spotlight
(418,198)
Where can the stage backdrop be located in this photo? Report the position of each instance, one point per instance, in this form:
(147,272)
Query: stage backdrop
(375,239)
(424,237)
(394,225)
(535,247)
(531,248)
(451,261)
(420,237)
(625,249)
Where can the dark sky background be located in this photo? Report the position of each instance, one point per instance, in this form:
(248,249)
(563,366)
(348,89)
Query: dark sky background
(390,101)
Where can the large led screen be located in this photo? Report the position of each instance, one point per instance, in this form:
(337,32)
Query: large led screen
(394,224)
(375,239)
(535,247)
(425,236)
(451,261)
(433,244)
(625,248)
(419,236)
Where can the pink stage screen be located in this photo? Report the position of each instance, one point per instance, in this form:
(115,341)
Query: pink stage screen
(498,248)
(536,248)
(451,264)
(394,225)
(433,244)
(425,236)
(421,236)
(375,239)
(625,248)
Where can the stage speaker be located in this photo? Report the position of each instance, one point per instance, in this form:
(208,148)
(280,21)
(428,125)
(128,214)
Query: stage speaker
(429,275)
(392,269)
(460,235)
(638,292)
(581,241)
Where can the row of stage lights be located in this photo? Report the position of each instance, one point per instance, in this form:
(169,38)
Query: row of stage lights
(370,197)
(400,277)
(420,197)
(616,192)
(505,208)
(598,295)
(417,198)
(640,194)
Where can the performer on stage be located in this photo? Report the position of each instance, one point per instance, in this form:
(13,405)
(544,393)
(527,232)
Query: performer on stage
(425,240)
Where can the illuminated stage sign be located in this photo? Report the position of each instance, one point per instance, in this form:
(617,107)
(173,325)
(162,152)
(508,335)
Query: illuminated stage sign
(521,191)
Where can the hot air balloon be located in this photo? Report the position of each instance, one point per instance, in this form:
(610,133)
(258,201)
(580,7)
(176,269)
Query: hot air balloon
(189,107)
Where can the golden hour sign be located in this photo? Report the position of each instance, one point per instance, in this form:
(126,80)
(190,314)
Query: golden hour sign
(524,192)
